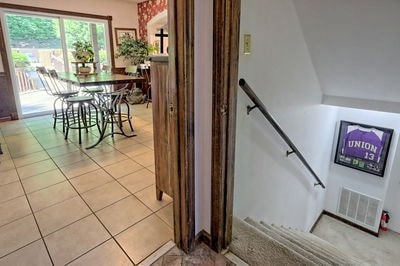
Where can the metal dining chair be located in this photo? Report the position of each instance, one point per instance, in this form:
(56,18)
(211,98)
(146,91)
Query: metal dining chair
(54,87)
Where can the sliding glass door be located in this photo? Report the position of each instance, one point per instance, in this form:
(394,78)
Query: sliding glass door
(41,40)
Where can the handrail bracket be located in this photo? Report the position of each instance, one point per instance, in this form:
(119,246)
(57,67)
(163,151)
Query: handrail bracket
(250,108)
(289,152)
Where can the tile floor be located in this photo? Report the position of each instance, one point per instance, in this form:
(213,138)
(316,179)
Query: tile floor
(62,204)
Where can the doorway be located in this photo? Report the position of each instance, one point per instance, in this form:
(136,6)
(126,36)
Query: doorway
(46,40)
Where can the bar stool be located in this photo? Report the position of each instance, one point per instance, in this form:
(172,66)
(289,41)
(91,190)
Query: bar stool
(79,115)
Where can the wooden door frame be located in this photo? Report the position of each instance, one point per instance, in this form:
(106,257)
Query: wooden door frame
(225,83)
(181,102)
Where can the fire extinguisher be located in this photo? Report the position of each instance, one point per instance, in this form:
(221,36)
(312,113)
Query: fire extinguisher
(384,220)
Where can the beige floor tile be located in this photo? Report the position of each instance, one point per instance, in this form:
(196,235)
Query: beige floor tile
(79,168)
(24,149)
(122,168)
(134,150)
(167,214)
(49,196)
(149,144)
(152,168)
(61,214)
(76,239)
(43,180)
(70,158)
(61,150)
(6,165)
(91,180)
(148,197)
(144,238)
(36,168)
(18,234)
(8,176)
(32,254)
(109,158)
(105,195)
(13,209)
(31,158)
(11,191)
(99,150)
(138,180)
(106,254)
(123,214)
(122,141)
(145,159)
(5,156)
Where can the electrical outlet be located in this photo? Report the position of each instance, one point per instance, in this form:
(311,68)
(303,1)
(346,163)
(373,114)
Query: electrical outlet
(247,44)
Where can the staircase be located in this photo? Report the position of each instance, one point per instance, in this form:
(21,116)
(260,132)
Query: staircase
(263,244)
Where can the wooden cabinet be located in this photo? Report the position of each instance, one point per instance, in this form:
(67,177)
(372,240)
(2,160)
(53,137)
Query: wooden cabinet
(163,128)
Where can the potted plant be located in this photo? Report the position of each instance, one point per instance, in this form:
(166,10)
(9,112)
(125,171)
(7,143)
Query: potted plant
(83,52)
(134,51)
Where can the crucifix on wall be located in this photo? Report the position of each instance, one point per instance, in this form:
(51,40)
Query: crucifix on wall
(162,35)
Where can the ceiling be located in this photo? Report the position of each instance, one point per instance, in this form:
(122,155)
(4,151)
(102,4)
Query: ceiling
(355,48)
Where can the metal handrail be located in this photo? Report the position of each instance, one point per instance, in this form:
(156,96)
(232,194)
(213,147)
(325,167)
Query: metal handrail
(258,104)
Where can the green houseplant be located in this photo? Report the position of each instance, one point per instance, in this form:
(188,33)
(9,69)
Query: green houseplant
(134,51)
(83,51)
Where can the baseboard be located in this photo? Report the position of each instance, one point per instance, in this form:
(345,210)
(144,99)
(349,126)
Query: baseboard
(203,237)
(5,118)
(316,222)
(350,223)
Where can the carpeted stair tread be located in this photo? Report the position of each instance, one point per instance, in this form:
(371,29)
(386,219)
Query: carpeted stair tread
(333,256)
(321,246)
(256,248)
(288,244)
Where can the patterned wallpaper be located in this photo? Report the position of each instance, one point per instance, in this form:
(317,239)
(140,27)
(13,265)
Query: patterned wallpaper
(146,11)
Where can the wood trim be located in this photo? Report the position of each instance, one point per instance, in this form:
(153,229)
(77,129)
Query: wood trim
(181,103)
(203,237)
(350,223)
(7,94)
(53,11)
(225,83)
(316,222)
(69,13)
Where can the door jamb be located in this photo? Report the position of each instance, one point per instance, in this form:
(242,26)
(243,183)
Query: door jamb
(181,104)
(225,82)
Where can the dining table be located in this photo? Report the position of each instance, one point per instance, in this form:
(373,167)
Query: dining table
(102,79)
(98,79)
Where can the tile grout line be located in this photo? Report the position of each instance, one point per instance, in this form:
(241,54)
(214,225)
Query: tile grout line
(114,179)
(34,217)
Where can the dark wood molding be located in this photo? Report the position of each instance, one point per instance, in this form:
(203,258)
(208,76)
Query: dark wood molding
(203,237)
(69,13)
(351,223)
(225,83)
(181,119)
(8,107)
(53,11)
(316,222)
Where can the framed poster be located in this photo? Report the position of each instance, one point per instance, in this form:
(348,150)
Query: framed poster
(119,32)
(363,147)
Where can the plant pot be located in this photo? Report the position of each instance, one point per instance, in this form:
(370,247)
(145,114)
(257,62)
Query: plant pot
(131,69)
(84,70)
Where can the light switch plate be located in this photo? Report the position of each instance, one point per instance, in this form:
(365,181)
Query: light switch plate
(247,44)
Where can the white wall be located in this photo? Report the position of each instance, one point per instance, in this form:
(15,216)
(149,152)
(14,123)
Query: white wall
(362,182)
(354,45)
(124,13)
(203,111)
(269,186)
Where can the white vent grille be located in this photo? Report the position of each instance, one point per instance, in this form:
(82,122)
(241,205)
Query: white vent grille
(358,208)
